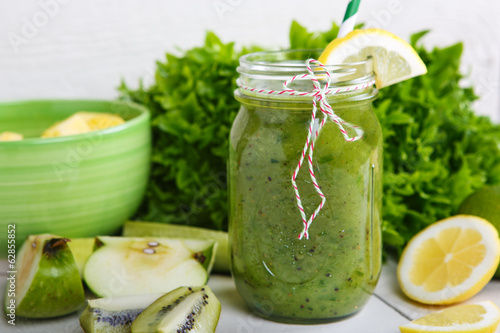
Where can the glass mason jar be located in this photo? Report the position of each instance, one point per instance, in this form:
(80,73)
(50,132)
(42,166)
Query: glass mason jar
(332,273)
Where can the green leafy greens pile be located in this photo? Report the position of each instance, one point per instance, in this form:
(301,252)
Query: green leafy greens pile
(192,109)
(436,150)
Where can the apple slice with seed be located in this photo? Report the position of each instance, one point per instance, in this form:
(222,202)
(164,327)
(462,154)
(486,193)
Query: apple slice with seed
(165,230)
(48,283)
(141,265)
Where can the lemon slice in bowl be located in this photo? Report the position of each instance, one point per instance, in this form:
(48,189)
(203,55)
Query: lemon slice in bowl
(394,60)
(98,121)
(82,122)
(450,260)
(478,318)
(10,136)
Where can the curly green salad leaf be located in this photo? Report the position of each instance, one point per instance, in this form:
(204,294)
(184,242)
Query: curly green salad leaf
(192,108)
(436,150)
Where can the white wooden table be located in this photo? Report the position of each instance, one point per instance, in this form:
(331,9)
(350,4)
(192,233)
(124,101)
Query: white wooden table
(386,310)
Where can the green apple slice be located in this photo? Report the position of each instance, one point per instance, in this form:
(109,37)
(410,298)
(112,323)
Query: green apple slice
(81,248)
(154,229)
(114,314)
(142,265)
(186,309)
(48,284)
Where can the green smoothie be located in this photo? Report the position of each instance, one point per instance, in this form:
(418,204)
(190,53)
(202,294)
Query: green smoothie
(332,274)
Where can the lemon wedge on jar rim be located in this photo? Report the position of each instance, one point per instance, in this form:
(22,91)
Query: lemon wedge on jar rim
(472,318)
(394,60)
(450,260)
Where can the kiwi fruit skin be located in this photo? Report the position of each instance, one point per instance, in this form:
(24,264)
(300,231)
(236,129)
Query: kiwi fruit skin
(185,309)
(51,289)
(114,314)
(156,229)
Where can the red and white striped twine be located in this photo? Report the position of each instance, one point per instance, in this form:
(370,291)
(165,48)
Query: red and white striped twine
(318,98)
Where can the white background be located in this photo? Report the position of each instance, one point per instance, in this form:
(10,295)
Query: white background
(82,48)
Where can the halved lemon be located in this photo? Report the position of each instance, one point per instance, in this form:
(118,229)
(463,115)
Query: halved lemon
(394,60)
(450,260)
(472,318)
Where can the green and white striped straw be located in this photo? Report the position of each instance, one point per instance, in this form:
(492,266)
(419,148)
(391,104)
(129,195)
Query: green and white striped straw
(349,18)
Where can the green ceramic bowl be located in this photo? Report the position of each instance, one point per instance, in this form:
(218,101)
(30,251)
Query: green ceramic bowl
(74,186)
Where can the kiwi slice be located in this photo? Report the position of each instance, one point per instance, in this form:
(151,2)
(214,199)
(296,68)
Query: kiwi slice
(154,229)
(141,265)
(186,309)
(81,248)
(47,281)
(114,314)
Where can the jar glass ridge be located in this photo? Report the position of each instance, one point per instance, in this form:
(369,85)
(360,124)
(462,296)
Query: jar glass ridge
(332,274)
